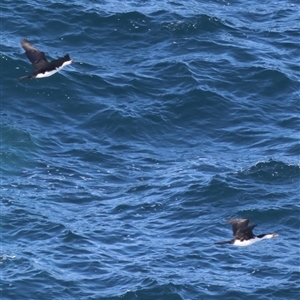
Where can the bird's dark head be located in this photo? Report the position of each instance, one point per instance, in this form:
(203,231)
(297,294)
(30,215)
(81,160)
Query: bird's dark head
(271,235)
(68,59)
(268,236)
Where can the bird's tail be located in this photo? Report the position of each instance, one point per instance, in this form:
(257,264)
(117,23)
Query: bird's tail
(24,77)
(224,242)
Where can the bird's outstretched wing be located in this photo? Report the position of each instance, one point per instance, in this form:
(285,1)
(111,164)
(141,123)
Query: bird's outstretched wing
(238,225)
(241,230)
(37,58)
(247,234)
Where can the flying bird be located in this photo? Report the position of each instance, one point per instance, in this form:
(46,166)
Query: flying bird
(243,235)
(43,68)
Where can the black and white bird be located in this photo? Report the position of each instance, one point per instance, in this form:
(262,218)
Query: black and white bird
(243,235)
(43,68)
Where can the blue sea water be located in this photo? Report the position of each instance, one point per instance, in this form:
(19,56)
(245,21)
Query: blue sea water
(118,173)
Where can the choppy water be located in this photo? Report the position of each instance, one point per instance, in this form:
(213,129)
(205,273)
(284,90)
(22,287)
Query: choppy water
(119,172)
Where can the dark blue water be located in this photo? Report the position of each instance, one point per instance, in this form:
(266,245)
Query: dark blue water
(118,173)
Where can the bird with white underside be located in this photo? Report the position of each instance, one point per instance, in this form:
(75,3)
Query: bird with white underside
(43,68)
(243,235)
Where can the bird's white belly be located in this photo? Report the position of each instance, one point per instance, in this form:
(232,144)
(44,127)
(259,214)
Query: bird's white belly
(247,242)
(50,73)
(47,74)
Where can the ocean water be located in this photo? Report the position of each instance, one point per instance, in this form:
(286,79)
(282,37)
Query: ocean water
(119,172)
